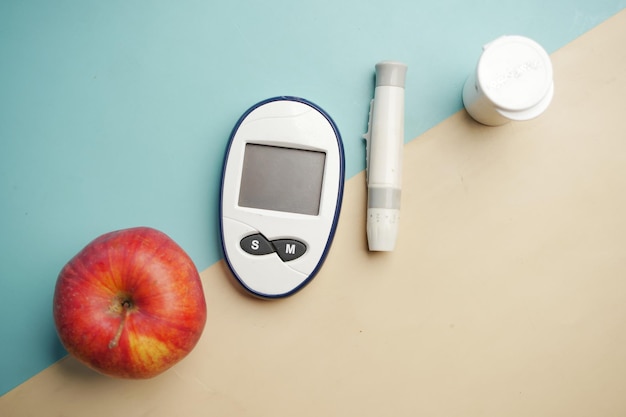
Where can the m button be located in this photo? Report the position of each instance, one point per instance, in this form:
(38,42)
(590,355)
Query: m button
(289,249)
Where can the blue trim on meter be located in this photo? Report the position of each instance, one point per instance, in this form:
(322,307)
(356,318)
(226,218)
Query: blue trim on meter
(338,204)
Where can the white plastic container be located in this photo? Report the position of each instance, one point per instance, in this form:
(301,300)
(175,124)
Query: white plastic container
(513,81)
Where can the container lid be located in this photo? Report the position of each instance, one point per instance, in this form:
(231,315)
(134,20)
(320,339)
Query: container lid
(515,74)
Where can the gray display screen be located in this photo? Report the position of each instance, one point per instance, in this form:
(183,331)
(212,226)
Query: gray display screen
(282,179)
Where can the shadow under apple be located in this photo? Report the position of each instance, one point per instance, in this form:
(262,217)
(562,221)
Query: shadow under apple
(72,368)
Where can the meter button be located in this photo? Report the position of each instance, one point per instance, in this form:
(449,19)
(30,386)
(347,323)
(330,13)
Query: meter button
(256,244)
(289,249)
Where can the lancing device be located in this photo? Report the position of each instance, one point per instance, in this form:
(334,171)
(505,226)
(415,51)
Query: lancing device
(384,144)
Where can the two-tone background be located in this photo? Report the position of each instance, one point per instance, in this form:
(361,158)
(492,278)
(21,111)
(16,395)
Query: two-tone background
(116,114)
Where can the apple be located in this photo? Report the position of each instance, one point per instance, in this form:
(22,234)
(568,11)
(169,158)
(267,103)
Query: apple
(130,304)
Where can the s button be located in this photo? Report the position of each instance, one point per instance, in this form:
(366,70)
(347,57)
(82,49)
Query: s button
(256,244)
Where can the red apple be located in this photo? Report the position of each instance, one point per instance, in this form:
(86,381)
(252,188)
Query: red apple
(130,304)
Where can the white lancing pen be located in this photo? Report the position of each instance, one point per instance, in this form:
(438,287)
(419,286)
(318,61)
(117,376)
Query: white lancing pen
(385,142)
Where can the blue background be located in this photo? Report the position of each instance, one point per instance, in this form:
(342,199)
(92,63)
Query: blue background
(116,113)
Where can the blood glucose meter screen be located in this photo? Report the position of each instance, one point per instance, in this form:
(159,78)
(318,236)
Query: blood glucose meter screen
(282,179)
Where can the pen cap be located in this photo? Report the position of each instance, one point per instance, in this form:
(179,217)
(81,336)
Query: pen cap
(512,81)
(390,73)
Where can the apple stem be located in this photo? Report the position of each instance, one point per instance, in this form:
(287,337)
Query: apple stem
(126,305)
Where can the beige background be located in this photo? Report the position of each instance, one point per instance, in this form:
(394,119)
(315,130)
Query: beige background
(506,295)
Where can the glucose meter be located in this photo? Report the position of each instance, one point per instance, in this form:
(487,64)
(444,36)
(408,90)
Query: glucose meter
(281,193)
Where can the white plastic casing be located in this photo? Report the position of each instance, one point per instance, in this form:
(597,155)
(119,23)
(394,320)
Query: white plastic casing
(293,123)
(385,142)
(513,81)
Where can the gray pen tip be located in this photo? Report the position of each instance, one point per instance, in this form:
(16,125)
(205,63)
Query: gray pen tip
(391,73)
